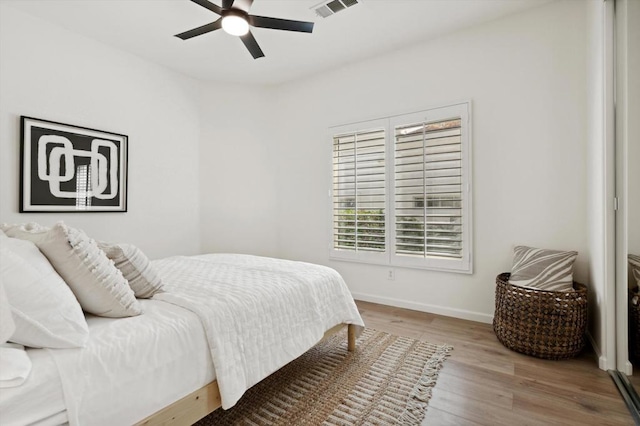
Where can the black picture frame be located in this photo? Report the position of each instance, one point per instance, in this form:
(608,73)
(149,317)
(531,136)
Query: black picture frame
(67,168)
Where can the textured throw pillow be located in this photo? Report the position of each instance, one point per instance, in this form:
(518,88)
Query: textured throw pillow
(97,284)
(543,269)
(45,312)
(136,268)
(634,266)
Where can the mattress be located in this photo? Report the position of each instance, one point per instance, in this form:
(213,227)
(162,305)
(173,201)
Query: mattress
(131,368)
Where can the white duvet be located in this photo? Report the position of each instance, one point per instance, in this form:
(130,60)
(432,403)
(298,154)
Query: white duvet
(258,313)
(133,367)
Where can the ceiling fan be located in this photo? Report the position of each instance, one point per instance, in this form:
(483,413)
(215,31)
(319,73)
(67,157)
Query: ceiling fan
(235,20)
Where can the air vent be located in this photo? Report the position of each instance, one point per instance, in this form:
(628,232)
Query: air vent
(331,7)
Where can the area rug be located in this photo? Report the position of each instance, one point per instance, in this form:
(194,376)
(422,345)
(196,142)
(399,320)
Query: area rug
(387,381)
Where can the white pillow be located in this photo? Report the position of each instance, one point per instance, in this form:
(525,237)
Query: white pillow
(45,312)
(136,268)
(97,284)
(16,365)
(7,326)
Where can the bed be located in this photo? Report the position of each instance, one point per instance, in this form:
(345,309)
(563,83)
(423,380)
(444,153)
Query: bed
(223,323)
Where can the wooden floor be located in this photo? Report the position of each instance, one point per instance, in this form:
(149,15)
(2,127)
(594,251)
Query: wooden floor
(635,378)
(484,383)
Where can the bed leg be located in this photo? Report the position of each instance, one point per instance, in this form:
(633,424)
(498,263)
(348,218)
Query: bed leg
(351,337)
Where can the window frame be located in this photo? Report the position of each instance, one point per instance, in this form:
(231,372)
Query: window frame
(389,258)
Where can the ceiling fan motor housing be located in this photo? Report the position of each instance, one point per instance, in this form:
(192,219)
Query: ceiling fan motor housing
(235,22)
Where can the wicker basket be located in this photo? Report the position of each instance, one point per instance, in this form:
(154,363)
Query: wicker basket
(634,327)
(545,324)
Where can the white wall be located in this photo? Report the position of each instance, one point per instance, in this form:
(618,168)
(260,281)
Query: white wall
(237,170)
(526,77)
(50,73)
(217,167)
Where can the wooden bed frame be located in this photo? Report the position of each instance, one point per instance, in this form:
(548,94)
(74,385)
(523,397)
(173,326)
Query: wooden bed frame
(193,407)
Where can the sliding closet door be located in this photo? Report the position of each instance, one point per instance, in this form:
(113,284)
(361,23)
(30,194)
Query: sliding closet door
(628,187)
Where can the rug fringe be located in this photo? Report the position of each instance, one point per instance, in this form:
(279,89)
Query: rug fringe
(419,398)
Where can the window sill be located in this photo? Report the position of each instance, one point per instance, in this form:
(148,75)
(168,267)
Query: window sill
(391,264)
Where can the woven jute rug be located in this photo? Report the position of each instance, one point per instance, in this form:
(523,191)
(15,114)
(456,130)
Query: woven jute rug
(386,381)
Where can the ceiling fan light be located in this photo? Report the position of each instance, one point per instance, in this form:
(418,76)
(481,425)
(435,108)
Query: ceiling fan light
(235,25)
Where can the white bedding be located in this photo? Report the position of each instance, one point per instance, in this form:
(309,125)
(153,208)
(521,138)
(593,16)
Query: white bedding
(258,313)
(133,367)
(39,399)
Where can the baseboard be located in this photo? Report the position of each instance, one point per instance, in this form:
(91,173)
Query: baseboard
(628,368)
(424,307)
(602,360)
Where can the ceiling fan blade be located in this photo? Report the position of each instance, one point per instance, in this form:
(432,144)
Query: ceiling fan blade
(207,4)
(227,4)
(200,30)
(252,45)
(280,24)
(243,5)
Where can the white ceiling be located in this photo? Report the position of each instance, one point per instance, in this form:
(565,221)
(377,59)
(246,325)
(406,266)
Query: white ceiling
(147,27)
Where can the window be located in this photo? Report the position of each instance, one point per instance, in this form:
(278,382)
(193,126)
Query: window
(359,191)
(401,190)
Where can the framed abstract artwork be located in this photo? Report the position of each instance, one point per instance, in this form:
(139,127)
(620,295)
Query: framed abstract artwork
(67,168)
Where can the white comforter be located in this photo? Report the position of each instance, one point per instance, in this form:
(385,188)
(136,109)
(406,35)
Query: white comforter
(133,367)
(258,313)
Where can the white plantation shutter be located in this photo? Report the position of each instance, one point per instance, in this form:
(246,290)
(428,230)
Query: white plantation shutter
(428,189)
(402,191)
(359,192)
